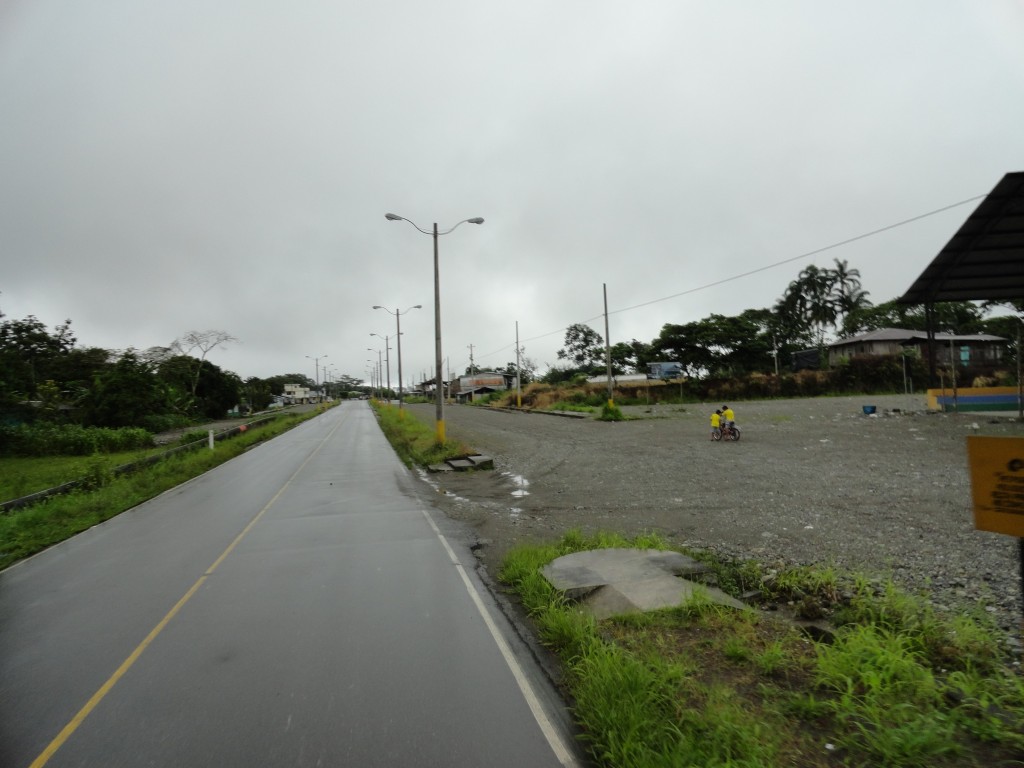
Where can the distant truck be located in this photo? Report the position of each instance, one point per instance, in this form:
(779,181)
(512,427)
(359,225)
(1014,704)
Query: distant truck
(664,371)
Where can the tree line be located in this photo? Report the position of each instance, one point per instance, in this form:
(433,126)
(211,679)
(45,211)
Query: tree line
(820,302)
(45,376)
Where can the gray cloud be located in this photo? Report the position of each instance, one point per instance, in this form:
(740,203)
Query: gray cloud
(180,166)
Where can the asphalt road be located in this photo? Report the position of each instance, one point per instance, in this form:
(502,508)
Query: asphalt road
(298,606)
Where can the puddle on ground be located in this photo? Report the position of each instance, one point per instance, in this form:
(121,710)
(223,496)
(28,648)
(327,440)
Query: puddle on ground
(429,480)
(483,489)
(520,484)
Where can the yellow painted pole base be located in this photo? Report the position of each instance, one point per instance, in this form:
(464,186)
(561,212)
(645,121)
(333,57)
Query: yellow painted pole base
(440,431)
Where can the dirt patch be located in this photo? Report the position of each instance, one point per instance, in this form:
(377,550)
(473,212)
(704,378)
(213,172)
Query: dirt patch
(811,482)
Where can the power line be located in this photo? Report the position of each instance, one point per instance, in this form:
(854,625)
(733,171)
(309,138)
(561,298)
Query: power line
(815,252)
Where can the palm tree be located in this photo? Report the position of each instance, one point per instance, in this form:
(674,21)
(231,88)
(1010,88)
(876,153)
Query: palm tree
(846,291)
(811,298)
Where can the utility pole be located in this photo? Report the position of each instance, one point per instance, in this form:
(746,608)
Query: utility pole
(607,346)
(472,370)
(518,369)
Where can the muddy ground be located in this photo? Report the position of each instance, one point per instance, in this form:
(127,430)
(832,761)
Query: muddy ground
(810,482)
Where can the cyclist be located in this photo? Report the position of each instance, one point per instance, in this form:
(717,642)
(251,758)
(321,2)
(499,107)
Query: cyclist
(716,424)
(728,417)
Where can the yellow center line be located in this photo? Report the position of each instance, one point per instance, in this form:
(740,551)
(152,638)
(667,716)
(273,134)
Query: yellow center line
(104,689)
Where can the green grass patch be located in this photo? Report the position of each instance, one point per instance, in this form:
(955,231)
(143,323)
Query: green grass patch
(24,532)
(563,405)
(414,440)
(706,685)
(21,476)
(611,412)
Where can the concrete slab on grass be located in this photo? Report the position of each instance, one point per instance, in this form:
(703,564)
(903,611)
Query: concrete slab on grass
(609,582)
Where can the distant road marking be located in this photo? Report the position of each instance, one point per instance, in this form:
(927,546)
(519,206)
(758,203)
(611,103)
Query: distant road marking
(104,689)
(554,738)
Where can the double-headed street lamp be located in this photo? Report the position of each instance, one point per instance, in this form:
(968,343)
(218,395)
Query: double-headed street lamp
(439,409)
(398,335)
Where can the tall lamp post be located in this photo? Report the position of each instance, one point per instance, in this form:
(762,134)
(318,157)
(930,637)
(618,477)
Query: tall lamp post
(373,376)
(398,335)
(439,378)
(380,371)
(327,380)
(317,363)
(387,359)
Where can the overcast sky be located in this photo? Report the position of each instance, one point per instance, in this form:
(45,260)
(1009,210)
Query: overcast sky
(175,166)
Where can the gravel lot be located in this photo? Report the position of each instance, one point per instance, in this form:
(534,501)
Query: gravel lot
(811,482)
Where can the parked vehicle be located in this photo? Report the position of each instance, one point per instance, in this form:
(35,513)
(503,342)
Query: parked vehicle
(664,370)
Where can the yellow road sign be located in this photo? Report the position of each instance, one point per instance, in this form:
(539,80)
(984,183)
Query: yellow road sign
(997,483)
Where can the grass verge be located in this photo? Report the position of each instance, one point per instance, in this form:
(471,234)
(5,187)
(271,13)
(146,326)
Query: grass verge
(896,684)
(24,532)
(414,441)
(20,476)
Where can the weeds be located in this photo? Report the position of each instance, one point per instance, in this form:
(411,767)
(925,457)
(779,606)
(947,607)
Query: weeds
(611,412)
(413,440)
(70,440)
(572,407)
(702,684)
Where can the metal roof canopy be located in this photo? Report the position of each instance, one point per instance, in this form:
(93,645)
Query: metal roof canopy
(984,260)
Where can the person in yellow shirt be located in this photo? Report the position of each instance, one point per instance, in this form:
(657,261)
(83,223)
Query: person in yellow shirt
(728,417)
(716,425)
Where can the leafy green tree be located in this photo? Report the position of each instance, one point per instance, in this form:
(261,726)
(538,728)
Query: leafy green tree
(584,347)
(78,366)
(744,343)
(217,390)
(124,394)
(630,357)
(847,292)
(810,299)
(823,298)
(28,352)
(961,317)
(556,374)
(527,370)
(201,386)
(888,314)
(256,394)
(687,345)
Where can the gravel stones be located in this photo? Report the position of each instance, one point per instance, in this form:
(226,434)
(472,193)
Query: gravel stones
(813,482)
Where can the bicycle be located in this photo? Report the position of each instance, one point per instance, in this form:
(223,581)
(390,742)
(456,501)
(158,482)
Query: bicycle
(728,432)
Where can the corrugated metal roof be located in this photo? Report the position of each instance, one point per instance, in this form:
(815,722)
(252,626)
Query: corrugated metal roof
(901,335)
(984,260)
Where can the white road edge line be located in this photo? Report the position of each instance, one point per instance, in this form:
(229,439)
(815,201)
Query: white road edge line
(552,734)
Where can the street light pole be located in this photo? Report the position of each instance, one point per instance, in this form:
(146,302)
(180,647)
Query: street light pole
(519,372)
(380,371)
(439,378)
(317,368)
(387,358)
(398,335)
